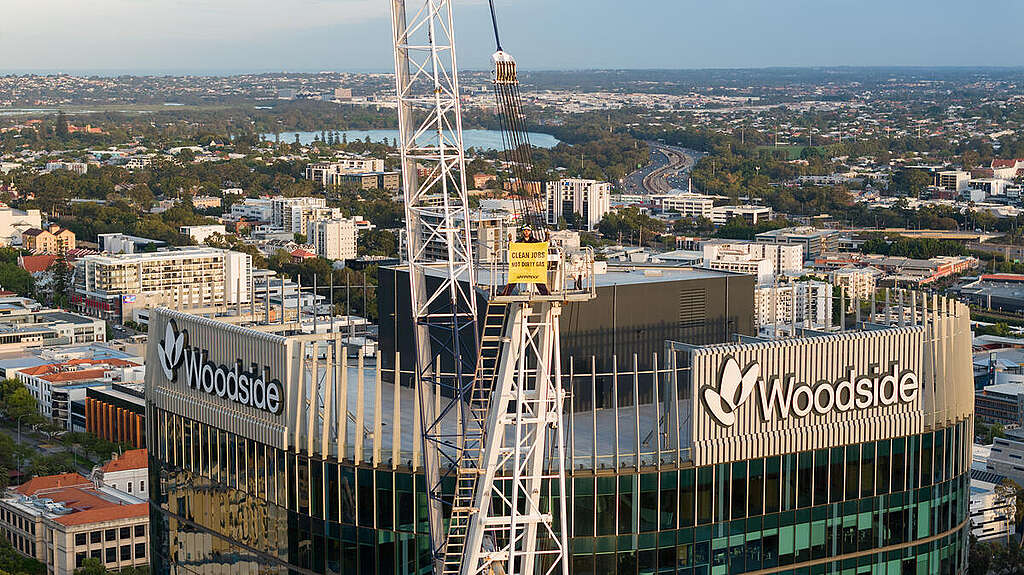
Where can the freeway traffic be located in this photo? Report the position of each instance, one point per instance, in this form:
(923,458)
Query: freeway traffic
(669,170)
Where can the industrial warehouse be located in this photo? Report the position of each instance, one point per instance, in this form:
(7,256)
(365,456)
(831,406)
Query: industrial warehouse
(832,450)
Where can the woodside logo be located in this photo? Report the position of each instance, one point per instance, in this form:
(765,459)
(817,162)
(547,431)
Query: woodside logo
(252,388)
(784,397)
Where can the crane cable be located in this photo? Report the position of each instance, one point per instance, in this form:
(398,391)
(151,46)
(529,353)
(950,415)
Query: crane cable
(515,137)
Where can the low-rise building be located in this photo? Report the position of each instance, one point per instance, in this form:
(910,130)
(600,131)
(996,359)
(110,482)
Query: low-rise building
(56,386)
(62,520)
(751,215)
(52,239)
(815,241)
(371,180)
(260,210)
(687,205)
(206,202)
(127,472)
(199,234)
(80,168)
(992,509)
(740,257)
(25,323)
(327,173)
(15,222)
(118,243)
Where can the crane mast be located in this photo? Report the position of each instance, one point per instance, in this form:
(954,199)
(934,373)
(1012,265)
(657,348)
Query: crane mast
(436,214)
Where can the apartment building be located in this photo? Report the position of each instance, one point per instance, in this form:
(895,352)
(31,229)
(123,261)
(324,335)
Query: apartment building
(80,168)
(785,309)
(762,260)
(335,239)
(687,205)
(113,287)
(371,180)
(857,283)
(61,520)
(52,239)
(589,200)
(252,209)
(326,173)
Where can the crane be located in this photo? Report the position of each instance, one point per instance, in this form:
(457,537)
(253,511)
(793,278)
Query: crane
(497,425)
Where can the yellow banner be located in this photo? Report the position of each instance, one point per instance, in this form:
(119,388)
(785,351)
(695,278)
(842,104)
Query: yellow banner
(528,263)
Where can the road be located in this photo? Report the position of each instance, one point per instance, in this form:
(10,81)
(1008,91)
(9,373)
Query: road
(669,169)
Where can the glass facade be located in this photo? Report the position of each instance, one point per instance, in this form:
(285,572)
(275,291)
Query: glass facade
(894,506)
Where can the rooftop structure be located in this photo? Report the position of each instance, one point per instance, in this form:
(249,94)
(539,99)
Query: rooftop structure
(815,241)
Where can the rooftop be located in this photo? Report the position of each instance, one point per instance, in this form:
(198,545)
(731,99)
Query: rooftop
(133,459)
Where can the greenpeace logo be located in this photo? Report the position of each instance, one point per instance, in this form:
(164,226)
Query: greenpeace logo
(785,397)
(252,388)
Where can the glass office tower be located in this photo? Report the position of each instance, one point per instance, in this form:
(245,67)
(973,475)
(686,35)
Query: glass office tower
(829,453)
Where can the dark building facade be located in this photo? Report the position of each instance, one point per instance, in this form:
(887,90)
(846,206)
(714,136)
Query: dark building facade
(842,453)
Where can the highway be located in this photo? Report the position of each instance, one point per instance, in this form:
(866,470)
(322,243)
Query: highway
(669,169)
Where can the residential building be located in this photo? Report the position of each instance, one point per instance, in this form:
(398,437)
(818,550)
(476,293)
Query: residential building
(815,241)
(335,239)
(900,271)
(113,287)
(138,163)
(259,210)
(788,308)
(61,520)
(490,234)
(206,202)
(588,200)
(294,215)
(762,260)
(117,413)
(327,173)
(751,215)
(199,234)
(80,168)
(372,180)
(51,240)
(14,222)
(857,282)
(687,205)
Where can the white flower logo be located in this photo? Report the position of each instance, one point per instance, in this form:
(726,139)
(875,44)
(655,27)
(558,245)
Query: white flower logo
(171,350)
(734,388)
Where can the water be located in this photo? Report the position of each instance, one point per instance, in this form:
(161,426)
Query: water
(480,139)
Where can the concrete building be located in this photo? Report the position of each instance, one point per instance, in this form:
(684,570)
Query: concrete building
(372,180)
(752,215)
(112,287)
(253,209)
(815,241)
(15,222)
(326,173)
(687,205)
(61,520)
(858,282)
(730,255)
(335,239)
(791,307)
(51,240)
(992,511)
(80,168)
(199,234)
(952,180)
(590,200)
(294,215)
(117,243)
(25,323)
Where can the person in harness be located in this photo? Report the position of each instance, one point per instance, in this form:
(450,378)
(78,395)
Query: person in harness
(527,236)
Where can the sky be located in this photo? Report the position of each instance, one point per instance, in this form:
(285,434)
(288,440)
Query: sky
(234,36)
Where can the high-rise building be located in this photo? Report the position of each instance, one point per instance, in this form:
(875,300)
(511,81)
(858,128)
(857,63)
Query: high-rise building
(788,308)
(112,287)
(589,200)
(335,239)
(747,257)
(689,450)
(327,173)
(296,214)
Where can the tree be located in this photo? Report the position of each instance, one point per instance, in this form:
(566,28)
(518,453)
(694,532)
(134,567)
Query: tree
(92,566)
(60,271)
(16,564)
(62,131)
(911,181)
(299,238)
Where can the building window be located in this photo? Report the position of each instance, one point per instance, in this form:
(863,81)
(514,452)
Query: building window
(96,554)
(126,553)
(142,485)
(140,550)
(79,559)
(79,538)
(111,534)
(95,536)
(140,530)
(126,532)
(129,487)
(111,555)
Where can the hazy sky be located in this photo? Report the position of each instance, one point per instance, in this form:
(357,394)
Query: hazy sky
(216,36)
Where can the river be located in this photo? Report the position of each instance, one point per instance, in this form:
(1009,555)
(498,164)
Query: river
(482,139)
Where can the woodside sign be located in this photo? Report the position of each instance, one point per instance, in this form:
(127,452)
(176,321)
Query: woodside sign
(252,387)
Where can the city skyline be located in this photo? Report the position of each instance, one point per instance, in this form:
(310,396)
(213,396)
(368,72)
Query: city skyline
(188,36)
